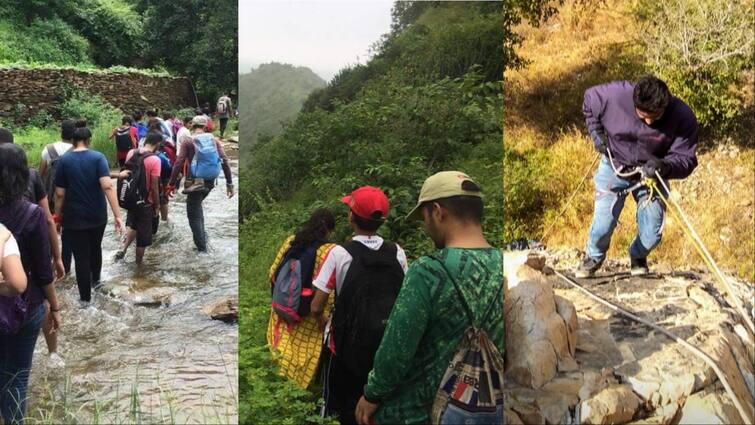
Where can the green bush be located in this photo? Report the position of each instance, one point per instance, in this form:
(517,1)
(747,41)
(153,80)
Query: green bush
(702,49)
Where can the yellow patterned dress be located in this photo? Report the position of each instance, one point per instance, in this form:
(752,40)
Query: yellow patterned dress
(297,349)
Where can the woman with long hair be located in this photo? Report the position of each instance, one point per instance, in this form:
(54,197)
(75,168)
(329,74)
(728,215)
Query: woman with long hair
(21,316)
(299,345)
(82,184)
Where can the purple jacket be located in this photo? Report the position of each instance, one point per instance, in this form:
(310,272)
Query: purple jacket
(33,244)
(609,109)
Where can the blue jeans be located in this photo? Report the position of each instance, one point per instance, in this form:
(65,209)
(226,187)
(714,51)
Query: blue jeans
(456,416)
(608,205)
(16,353)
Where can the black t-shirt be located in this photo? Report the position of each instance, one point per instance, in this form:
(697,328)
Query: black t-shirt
(36,190)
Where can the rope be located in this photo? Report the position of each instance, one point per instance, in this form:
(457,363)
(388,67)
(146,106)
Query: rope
(573,195)
(707,359)
(699,246)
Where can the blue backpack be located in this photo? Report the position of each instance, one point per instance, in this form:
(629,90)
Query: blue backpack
(206,162)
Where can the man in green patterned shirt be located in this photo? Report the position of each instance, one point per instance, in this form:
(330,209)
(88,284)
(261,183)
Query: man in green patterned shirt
(428,321)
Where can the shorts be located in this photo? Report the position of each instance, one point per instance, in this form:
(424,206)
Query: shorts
(140,219)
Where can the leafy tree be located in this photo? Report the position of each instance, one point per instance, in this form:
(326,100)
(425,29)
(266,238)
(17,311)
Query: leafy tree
(194,38)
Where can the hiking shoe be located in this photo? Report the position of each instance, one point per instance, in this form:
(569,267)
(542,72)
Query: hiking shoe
(639,266)
(120,254)
(588,267)
(55,361)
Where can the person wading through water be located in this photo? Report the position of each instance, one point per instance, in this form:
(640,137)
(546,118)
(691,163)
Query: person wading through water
(365,274)
(224,110)
(21,316)
(443,295)
(139,220)
(126,138)
(203,155)
(36,194)
(643,127)
(47,167)
(82,186)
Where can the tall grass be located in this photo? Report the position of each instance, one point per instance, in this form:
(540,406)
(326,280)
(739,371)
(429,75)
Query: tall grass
(548,150)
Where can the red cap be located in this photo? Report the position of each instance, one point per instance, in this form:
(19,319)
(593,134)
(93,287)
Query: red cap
(367,201)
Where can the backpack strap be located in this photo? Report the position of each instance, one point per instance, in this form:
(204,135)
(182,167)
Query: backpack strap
(53,153)
(463,300)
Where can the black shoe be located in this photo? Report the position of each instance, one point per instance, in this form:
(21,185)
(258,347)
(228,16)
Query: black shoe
(588,267)
(639,266)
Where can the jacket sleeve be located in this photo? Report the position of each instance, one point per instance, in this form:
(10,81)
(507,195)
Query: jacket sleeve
(406,326)
(592,108)
(681,156)
(226,165)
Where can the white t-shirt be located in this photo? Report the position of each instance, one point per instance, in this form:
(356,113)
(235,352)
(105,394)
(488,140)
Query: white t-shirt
(333,270)
(60,148)
(10,248)
(182,132)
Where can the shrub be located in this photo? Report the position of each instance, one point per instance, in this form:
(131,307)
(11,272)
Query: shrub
(701,48)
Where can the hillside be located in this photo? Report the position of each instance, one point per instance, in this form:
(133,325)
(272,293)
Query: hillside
(103,34)
(425,102)
(547,149)
(271,95)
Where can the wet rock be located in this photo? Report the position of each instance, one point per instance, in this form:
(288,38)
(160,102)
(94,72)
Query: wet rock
(225,310)
(153,297)
(537,336)
(613,405)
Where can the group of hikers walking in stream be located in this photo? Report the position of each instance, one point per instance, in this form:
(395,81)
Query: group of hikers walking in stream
(55,216)
(382,332)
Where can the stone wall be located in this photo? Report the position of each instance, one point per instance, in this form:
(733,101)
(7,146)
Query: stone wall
(25,92)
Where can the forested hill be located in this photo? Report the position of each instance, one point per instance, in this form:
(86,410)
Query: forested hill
(272,94)
(184,37)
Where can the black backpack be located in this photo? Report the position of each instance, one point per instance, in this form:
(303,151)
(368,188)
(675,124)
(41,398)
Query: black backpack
(361,312)
(133,190)
(123,140)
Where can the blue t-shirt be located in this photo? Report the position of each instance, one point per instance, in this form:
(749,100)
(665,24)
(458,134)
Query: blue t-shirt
(79,174)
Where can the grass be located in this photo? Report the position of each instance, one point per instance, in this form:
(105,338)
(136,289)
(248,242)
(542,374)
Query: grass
(88,68)
(589,43)
(34,139)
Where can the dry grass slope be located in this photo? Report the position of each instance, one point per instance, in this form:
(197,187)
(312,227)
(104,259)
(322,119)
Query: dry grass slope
(587,43)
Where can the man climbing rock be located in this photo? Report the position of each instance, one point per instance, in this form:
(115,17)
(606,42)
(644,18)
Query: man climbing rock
(640,129)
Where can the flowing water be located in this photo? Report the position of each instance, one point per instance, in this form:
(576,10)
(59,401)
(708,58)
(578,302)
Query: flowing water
(144,351)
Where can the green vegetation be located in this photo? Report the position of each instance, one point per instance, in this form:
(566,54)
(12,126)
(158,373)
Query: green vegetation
(425,102)
(547,150)
(185,37)
(273,95)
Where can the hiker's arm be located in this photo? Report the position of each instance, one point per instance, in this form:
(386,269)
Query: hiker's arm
(12,275)
(107,187)
(226,164)
(43,167)
(681,156)
(155,190)
(52,236)
(317,307)
(60,199)
(593,106)
(406,326)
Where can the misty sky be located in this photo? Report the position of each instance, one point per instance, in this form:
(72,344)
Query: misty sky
(322,35)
